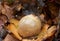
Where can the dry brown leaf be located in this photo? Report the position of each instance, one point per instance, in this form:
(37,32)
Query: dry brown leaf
(18,7)
(54,10)
(0,7)
(6,10)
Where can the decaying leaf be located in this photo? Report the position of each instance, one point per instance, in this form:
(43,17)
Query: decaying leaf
(53,9)
(0,7)
(18,7)
(6,10)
